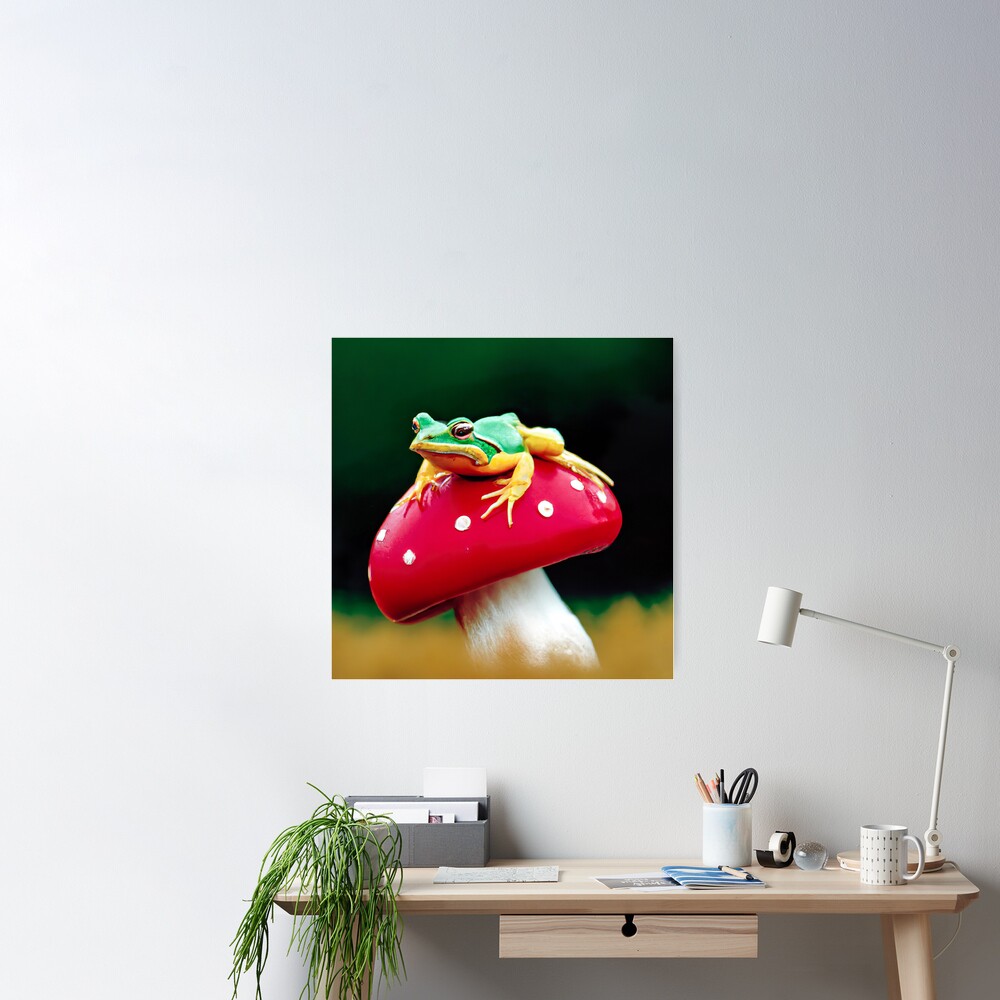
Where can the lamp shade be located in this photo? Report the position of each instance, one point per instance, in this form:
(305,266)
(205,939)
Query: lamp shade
(781,612)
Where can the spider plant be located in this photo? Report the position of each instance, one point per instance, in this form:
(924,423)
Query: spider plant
(346,873)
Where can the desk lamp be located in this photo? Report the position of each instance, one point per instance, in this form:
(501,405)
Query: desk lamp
(777,627)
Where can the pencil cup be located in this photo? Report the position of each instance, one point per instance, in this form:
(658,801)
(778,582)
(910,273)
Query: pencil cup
(725,835)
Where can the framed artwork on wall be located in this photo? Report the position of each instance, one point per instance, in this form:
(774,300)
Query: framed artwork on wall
(502,508)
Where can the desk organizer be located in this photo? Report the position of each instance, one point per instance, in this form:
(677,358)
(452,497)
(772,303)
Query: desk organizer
(430,845)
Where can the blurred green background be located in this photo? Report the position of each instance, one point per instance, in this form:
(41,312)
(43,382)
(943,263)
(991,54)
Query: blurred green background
(610,398)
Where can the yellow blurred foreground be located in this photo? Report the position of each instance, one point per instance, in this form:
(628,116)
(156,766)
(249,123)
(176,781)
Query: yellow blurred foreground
(631,641)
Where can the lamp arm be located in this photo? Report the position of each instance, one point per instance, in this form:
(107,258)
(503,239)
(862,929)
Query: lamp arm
(932,838)
(809,613)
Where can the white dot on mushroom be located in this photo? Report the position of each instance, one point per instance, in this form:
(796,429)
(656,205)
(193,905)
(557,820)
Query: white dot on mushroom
(545,508)
(576,484)
(463,523)
(380,537)
(602,496)
(408,557)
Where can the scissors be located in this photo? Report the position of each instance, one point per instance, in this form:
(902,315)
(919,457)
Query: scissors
(744,787)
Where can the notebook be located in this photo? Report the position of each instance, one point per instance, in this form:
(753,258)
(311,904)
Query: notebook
(710,878)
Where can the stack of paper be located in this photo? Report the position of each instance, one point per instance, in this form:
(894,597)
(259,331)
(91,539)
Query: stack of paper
(499,873)
(434,811)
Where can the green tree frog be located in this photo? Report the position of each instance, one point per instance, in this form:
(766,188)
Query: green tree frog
(490,446)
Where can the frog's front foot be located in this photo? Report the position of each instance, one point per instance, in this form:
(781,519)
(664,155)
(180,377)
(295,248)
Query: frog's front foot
(418,490)
(513,487)
(512,491)
(503,497)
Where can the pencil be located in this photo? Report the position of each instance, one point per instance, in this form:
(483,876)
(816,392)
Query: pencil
(702,791)
(709,799)
(736,871)
(702,788)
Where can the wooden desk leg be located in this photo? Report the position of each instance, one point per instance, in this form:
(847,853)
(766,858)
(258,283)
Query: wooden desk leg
(365,986)
(909,965)
(889,953)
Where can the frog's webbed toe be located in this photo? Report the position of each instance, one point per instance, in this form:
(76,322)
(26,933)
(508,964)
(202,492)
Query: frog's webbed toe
(418,490)
(504,496)
(581,467)
(512,488)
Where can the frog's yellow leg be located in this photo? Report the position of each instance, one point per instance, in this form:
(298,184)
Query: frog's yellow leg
(581,467)
(513,487)
(428,477)
(542,442)
(547,443)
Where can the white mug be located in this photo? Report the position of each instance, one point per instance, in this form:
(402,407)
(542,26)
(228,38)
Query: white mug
(884,855)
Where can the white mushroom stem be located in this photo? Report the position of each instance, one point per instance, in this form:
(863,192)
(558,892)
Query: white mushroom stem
(524,619)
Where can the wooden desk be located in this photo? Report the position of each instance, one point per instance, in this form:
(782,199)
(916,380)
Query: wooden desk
(578,917)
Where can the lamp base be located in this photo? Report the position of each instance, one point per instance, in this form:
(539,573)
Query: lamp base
(851,861)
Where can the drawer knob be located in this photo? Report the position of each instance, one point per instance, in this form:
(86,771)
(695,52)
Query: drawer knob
(628,928)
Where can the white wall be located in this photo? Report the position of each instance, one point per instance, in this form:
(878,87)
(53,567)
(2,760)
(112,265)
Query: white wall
(195,197)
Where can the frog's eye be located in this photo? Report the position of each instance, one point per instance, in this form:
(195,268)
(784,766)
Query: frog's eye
(461,431)
(415,425)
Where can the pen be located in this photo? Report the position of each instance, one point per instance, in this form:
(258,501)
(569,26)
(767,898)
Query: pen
(736,872)
(722,786)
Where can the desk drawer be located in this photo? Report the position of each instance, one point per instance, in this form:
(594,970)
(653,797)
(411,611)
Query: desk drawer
(655,936)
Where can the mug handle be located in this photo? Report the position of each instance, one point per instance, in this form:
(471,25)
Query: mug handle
(920,855)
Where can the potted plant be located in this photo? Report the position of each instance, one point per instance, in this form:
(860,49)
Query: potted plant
(346,871)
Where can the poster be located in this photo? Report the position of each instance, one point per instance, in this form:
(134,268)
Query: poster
(502,508)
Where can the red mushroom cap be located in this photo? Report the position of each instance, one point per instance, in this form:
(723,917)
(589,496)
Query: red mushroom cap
(425,557)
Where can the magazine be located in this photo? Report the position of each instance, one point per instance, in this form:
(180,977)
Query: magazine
(646,881)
